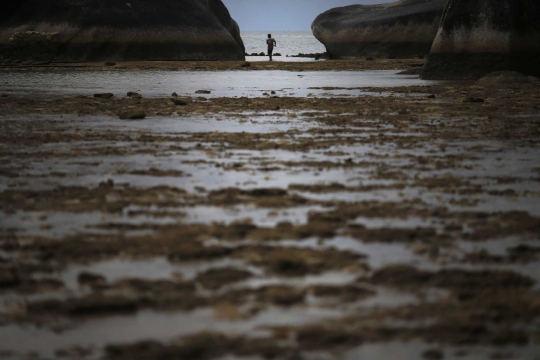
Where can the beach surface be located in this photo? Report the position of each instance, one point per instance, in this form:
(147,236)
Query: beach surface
(285,210)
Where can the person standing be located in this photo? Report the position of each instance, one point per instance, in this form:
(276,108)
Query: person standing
(271,43)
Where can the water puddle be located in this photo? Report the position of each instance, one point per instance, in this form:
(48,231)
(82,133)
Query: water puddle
(150,325)
(221,84)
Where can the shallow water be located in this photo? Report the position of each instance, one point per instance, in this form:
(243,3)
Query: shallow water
(186,83)
(289,42)
(354,160)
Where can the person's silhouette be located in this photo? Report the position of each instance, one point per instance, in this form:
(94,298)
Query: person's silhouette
(271,43)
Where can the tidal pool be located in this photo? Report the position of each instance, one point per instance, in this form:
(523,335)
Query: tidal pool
(221,84)
(347,227)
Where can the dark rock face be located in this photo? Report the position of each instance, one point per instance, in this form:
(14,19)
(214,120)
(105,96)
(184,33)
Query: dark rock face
(401,29)
(97,30)
(478,37)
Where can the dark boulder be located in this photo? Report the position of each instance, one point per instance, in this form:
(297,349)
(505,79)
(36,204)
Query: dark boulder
(503,78)
(478,37)
(115,30)
(400,29)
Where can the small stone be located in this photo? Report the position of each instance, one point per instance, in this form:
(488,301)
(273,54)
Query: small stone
(503,77)
(104,95)
(273,93)
(419,249)
(180,102)
(9,278)
(133,94)
(132,115)
(110,63)
(370,58)
(203,92)
(434,252)
(433,354)
(86,278)
(174,94)
(246,64)
(432,96)
(474,100)
(227,312)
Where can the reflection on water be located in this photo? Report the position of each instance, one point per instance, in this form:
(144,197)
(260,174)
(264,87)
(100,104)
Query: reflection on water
(222,84)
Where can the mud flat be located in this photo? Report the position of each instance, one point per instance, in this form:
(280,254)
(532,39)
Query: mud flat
(360,221)
(341,65)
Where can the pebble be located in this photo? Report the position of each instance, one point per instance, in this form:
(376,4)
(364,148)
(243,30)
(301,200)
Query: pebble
(474,100)
(133,94)
(433,354)
(181,102)
(104,95)
(503,77)
(132,115)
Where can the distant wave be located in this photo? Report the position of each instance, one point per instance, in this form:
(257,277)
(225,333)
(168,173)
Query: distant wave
(289,42)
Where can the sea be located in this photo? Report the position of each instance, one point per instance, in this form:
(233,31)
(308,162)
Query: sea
(288,42)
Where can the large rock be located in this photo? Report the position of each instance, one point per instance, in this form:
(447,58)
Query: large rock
(478,37)
(403,29)
(96,30)
(503,78)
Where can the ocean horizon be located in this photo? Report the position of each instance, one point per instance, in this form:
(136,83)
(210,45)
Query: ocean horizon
(288,42)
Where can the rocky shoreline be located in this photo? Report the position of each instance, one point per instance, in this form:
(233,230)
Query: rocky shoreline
(317,210)
(342,65)
(271,226)
(70,30)
(484,36)
(402,29)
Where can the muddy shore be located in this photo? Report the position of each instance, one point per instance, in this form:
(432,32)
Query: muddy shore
(322,65)
(344,224)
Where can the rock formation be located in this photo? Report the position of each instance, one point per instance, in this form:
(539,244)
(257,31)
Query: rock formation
(478,37)
(96,30)
(402,29)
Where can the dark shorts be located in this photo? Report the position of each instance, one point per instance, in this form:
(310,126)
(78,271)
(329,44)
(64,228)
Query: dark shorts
(270,51)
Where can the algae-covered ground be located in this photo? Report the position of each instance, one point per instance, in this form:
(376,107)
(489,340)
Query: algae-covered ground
(367,221)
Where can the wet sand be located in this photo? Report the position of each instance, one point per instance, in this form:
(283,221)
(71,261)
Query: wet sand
(394,222)
(322,65)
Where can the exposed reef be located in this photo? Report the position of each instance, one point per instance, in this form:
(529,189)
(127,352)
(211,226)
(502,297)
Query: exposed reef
(483,36)
(87,30)
(401,29)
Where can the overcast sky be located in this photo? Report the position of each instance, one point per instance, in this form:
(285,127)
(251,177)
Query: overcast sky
(283,14)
